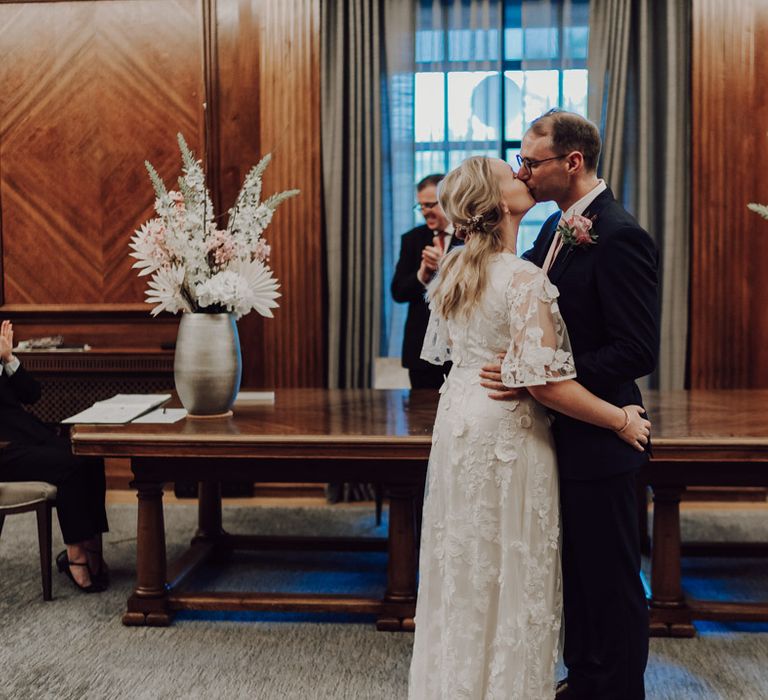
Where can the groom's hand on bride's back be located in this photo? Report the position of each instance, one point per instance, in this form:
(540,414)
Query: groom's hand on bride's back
(491,376)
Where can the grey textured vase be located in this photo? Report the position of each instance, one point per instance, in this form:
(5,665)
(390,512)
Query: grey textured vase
(208,365)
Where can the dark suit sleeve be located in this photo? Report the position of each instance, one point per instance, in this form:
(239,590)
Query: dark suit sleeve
(406,287)
(24,386)
(627,289)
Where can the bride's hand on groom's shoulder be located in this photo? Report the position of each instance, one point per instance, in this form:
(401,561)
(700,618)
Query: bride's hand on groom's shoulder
(637,429)
(491,379)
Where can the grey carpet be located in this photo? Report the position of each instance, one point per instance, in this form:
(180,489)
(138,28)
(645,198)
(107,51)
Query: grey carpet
(76,647)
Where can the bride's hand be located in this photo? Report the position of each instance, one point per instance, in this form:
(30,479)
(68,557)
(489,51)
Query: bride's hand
(637,431)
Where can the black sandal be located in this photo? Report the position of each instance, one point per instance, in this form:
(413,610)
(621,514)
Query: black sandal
(63,563)
(102,576)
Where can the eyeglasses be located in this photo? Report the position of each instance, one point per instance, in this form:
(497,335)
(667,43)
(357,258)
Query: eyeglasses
(529,164)
(424,206)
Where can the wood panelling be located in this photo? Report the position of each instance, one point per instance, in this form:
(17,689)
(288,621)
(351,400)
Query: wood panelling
(289,349)
(729,285)
(88,90)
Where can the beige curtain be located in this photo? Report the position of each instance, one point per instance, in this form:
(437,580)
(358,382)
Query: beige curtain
(351,36)
(639,76)
(367,50)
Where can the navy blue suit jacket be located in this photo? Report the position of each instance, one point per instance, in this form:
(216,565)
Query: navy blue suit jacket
(609,301)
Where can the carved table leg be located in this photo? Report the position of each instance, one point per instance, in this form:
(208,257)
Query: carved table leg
(670,615)
(148,604)
(400,598)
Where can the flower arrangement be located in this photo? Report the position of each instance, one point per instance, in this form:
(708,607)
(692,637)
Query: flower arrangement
(759,209)
(577,231)
(194,265)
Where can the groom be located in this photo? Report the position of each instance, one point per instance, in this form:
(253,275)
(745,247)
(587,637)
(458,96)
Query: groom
(608,298)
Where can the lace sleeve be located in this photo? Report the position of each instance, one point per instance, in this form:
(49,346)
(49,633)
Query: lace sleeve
(437,342)
(540,350)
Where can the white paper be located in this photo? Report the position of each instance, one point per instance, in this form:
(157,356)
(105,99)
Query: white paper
(121,408)
(162,415)
(255,397)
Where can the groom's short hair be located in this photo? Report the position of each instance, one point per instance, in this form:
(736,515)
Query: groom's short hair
(570,132)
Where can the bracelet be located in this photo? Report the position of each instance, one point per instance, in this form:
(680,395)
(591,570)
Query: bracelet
(626,422)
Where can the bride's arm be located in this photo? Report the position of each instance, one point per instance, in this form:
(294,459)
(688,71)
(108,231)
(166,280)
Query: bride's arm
(539,358)
(572,399)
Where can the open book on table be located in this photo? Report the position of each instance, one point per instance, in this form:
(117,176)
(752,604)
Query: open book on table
(121,408)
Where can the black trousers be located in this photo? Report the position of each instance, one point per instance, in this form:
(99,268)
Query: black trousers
(80,482)
(605,610)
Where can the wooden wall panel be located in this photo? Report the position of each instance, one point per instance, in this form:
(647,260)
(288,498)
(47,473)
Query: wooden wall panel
(90,89)
(729,285)
(289,349)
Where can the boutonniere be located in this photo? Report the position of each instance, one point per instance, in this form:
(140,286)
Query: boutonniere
(577,231)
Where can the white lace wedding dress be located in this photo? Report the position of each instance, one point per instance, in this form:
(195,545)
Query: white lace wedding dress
(489,603)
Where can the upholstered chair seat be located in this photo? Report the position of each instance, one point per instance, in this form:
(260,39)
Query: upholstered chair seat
(25,496)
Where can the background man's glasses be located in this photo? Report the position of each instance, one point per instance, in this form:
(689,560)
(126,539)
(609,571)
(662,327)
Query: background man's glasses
(529,164)
(424,206)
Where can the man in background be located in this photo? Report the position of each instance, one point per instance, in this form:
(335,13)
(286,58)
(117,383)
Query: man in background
(421,249)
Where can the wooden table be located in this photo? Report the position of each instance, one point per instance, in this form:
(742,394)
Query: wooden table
(307,435)
(701,438)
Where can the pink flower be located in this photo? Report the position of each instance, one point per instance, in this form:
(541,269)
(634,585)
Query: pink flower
(262,251)
(577,231)
(221,248)
(177,198)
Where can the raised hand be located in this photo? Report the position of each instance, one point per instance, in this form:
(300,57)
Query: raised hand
(430,260)
(6,341)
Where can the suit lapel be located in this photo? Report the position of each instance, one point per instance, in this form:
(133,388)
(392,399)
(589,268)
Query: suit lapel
(455,243)
(561,263)
(567,253)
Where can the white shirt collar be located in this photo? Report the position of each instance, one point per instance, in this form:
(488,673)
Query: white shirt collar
(581,206)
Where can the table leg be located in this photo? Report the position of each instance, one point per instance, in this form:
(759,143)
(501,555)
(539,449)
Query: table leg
(148,604)
(670,614)
(209,511)
(400,598)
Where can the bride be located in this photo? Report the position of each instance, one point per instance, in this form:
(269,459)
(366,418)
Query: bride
(489,602)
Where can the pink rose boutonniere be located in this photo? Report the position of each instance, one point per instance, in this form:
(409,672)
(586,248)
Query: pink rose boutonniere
(577,231)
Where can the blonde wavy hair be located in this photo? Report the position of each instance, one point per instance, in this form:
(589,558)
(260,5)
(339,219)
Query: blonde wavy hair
(471,199)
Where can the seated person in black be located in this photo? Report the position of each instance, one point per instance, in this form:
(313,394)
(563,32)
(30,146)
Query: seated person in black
(36,453)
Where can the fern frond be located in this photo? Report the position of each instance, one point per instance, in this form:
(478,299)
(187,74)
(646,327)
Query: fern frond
(276,200)
(186,154)
(760,209)
(157,181)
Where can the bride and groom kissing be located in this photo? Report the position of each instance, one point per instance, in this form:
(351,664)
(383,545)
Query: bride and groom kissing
(530,514)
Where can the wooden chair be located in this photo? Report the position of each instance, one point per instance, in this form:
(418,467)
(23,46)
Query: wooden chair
(26,496)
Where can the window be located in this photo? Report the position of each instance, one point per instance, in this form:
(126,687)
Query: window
(477,90)
(484,71)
